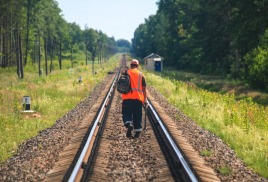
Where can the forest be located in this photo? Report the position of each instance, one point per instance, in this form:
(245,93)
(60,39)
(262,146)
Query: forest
(228,37)
(34,31)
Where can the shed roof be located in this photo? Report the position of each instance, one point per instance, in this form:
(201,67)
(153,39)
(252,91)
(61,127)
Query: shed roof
(153,55)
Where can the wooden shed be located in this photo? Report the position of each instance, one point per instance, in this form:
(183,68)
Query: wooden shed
(154,62)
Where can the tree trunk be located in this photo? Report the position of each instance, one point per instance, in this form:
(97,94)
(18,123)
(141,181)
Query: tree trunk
(21,61)
(51,56)
(39,55)
(86,57)
(101,56)
(93,72)
(11,51)
(17,53)
(27,30)
(5,43)
(72,57)
(1,44)
(45,46)
(34,51)
(60,56)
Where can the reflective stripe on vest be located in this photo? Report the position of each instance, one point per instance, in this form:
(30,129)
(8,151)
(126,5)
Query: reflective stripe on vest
(139,89)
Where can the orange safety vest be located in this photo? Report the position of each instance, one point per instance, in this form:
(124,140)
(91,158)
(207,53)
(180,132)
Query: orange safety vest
(136,86)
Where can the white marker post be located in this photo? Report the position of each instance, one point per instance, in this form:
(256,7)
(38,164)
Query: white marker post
(80,79)
(26,104)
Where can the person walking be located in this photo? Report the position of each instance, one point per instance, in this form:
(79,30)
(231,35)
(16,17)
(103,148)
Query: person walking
(133,101)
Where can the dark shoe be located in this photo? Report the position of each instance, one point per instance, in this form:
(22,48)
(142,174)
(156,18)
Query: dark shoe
(129,129)
(137,134)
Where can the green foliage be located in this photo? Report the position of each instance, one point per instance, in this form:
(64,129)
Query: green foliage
(206,153)
(208,37)
(258,64)
(224,170)
(40,22)
(123,45)
(91,41)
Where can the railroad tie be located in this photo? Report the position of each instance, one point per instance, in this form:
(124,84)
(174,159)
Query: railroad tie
(204,172)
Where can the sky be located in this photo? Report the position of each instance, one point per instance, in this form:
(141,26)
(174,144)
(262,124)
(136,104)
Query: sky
(115,18)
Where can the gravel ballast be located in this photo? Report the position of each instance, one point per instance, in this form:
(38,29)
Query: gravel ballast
(36,156)
(200,139)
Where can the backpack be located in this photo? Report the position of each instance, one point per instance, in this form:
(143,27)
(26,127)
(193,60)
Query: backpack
(123,84)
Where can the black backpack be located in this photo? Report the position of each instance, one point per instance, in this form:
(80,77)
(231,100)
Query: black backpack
(123,84)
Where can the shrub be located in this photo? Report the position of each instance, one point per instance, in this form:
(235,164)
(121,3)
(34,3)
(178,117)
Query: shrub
(258,67)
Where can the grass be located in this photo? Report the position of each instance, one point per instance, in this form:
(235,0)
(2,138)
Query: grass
(224,170)
(52,96)
(206,153)
(242,124)
(220,84)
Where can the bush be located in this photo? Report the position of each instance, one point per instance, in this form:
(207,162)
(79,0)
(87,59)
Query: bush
(258,67)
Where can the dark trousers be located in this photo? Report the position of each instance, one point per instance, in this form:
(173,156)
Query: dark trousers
(132,113)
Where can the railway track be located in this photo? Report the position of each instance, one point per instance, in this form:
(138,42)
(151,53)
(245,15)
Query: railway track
(105,153)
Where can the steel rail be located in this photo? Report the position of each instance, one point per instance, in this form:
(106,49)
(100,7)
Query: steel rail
(79,162)
(185,165)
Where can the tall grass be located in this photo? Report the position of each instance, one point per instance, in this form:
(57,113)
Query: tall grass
(52,96)
(243,124)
